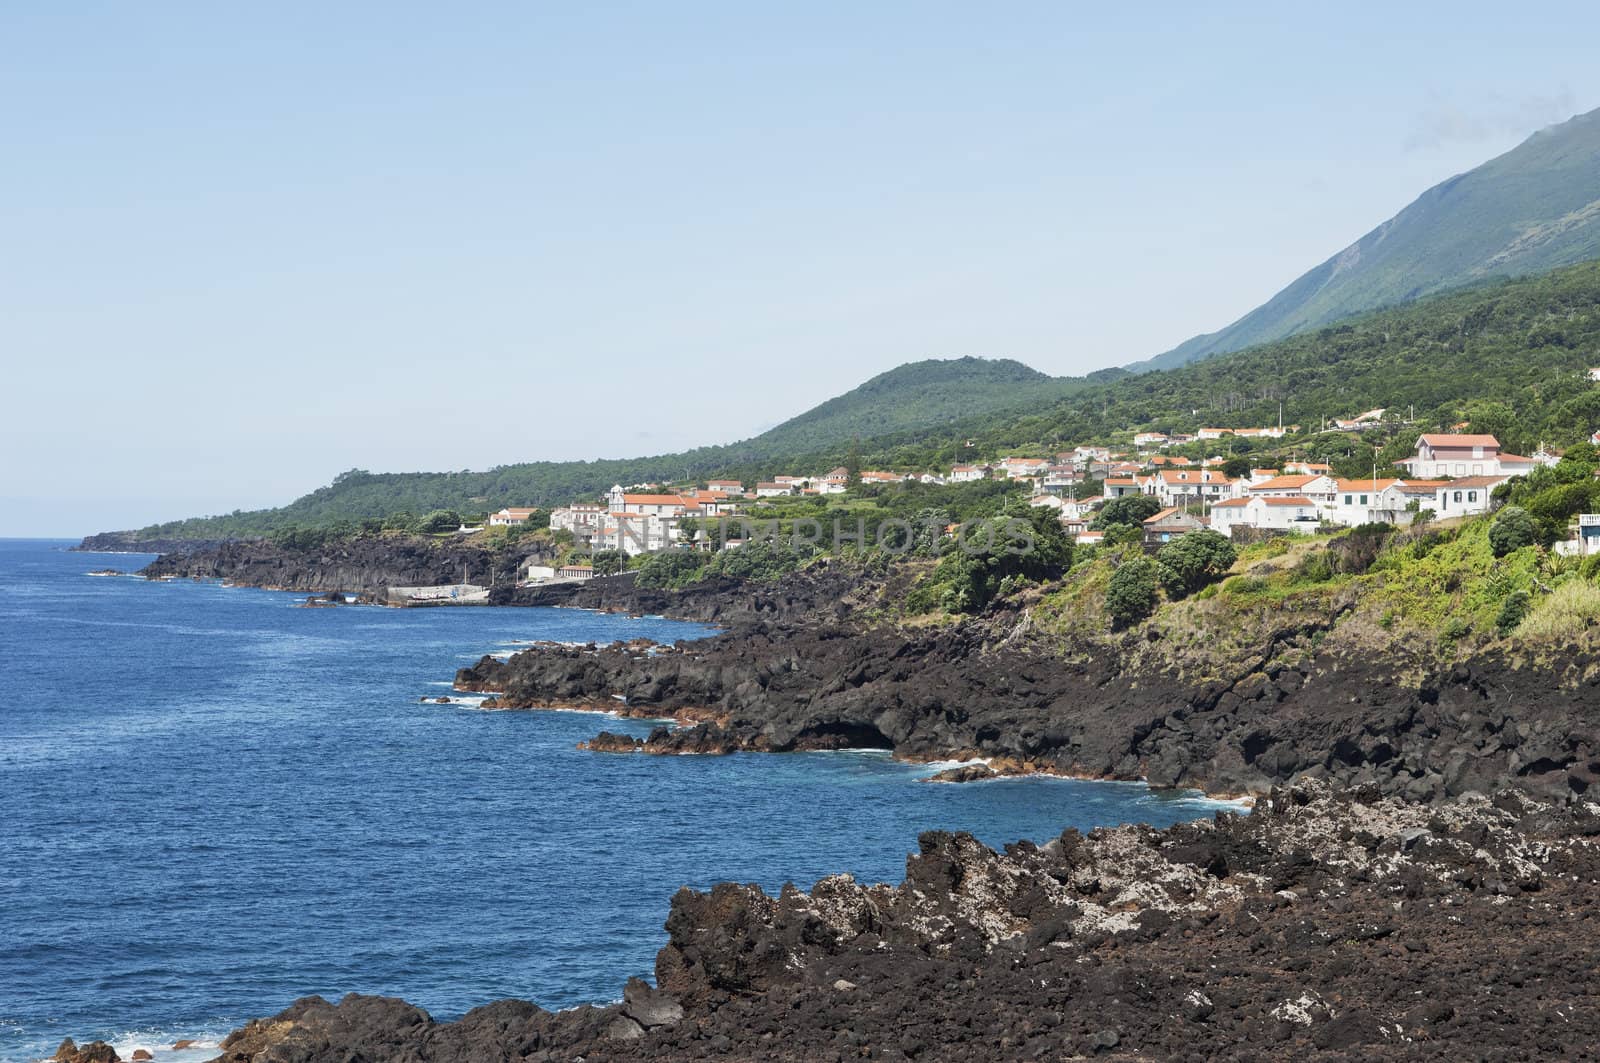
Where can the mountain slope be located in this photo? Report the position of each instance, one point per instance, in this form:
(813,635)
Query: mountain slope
(1508,356)
(916,395)
(1532,209)
(912,400)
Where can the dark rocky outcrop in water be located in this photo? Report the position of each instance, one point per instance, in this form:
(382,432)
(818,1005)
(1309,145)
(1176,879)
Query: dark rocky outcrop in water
(359,565)
(1348,926)
(130,543)
(952,692)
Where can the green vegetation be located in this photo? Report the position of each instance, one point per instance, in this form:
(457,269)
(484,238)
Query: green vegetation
(1507,357)
(993,558)
(1191,562)
(1130,510)
(910,402)
(1512,530)
(608,562)
(1131,594)
(1548,498)
(1532,209)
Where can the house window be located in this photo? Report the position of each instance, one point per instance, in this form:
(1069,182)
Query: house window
(1363,500)
(1458,497)
(1347,500)
(1472,496)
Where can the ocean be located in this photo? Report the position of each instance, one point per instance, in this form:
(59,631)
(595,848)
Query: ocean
(214,801)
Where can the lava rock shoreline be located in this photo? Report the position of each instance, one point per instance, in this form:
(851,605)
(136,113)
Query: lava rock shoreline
(1375,905)
(952,694)
(1347,925)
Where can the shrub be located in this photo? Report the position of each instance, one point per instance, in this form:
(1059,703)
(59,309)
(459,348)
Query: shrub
(1192,561)
(440,520)
(1131,594)
(671,568)
(1512,612)
(1131,510)
(1512,530)
(764,559)
(609,562)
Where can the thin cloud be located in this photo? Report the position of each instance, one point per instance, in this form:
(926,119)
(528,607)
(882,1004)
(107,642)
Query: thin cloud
(1443,122)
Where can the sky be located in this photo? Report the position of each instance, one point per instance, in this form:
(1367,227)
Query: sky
(246,247)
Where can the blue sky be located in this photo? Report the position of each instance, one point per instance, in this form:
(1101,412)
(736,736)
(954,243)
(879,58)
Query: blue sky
(245,248)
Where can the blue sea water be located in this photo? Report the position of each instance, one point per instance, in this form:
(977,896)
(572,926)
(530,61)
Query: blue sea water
(213,801)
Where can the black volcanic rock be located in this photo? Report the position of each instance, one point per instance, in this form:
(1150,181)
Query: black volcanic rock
(953,692)
(361,564)
(1334,931)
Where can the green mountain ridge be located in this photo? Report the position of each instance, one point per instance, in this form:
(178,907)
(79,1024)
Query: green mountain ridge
(911,399)
(1535,208)
(1508,356)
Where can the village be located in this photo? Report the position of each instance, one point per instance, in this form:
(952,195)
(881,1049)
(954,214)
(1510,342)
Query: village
(1451,474)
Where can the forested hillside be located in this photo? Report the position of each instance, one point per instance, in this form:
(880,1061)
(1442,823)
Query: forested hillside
(1534,208)
(919,399)
(1508,357)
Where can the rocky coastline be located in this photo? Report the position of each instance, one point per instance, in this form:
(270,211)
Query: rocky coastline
(952,694)
(360,566)
(1336,924)
(1417,879)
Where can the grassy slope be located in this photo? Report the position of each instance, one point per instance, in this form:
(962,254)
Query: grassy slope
(1534,208)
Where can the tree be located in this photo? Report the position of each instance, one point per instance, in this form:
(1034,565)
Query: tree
(1129,509)
(1512,529)
(440,520)
(1131,594)
(1191,561)
(671,568)
(852,466)
(1236,468)
(609,562)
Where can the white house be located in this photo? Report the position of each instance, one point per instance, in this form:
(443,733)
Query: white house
(730,487)
(511,517)
(1357,501)
(1022,468)
(1150,439)
(1077,507)
(621,501)
(1299,515)
(1594,374)
(1061,478)
(1174,487)
(1117,486)
(1447,454)
(962,474)
(1319,488)
(637,533)
(582,519)
(1466,497)
(774,489)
